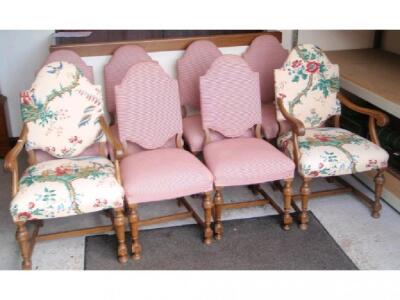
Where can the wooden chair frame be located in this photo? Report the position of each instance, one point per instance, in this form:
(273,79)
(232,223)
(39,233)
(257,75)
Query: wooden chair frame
(27,241)
(219,204)
(135,223)
(298,129)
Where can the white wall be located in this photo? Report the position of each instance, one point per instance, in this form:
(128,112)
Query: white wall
(391,41)
(21,54)
(337,39)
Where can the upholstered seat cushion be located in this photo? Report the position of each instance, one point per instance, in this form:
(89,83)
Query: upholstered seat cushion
(334,151)
(193,133)
(242,161)
(163,174)
(65,187)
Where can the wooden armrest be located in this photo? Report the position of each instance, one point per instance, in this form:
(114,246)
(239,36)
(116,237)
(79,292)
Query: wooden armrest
(297,125)
(10,161)
(381,118)
(115,143)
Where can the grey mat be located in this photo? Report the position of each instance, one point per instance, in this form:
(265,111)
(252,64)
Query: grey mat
(249,244)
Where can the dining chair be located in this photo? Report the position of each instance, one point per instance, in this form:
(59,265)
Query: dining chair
(307,93)
(149,115)
(63,115)
(194,63)
(264,55)
(231,105)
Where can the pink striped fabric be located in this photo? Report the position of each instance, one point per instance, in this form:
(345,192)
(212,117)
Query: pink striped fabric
(115,70)
(148,108)
(73,58)
(230,96)
(264,55)
(194,63)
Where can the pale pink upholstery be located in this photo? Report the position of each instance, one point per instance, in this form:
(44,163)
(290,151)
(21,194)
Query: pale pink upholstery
(147,95)
(149,115)
(73,58)
(194,63)
(264,55)
(230,102)
(122,59)
(230,96)
(243,161)
(163,174)
(194,133)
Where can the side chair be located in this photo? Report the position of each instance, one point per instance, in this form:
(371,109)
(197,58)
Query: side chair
(231,105)
(307,93)
(149,115)
(63,115)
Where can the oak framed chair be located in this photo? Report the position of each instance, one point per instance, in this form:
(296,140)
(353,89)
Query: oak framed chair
(231,105)
(307,93)
(264,55)
(194,63)
(63,115)
(149,115)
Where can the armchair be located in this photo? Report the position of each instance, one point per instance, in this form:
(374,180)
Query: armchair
(307,96)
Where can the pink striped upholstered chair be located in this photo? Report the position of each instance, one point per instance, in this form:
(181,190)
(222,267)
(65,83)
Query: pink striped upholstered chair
(307,93)
(231,105)
(114,71)
(264,55)
(149,115)
(194,63)
(87,71)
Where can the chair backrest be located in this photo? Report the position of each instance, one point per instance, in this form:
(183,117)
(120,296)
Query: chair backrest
(148,108)
(115,70)
(264,55)
(195,62)
(61,111)
(73,58)
(230,96)
(308,84)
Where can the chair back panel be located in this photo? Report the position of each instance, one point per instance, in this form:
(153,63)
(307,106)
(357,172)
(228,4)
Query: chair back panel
(264,55)
(148,108)
(115,70)
(73,58)
(308,83)
(230,96)
(195,62)
(61,110)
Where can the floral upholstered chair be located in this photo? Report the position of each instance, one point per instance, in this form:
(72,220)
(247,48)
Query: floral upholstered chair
(87,71)
(307,93)
(264,55)
(231,105)
(149,115)
(195,62)
(63,115)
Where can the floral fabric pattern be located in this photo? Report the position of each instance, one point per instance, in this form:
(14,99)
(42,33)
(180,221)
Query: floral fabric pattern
(333,151)
(61,110)
(308,84)
(66,187)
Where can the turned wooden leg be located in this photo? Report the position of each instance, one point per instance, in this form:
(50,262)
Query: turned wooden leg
(304,192)
(207,206)
(377,206)
(22,237)
(119,225)
(287,203)
(218,201)
(134,224)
